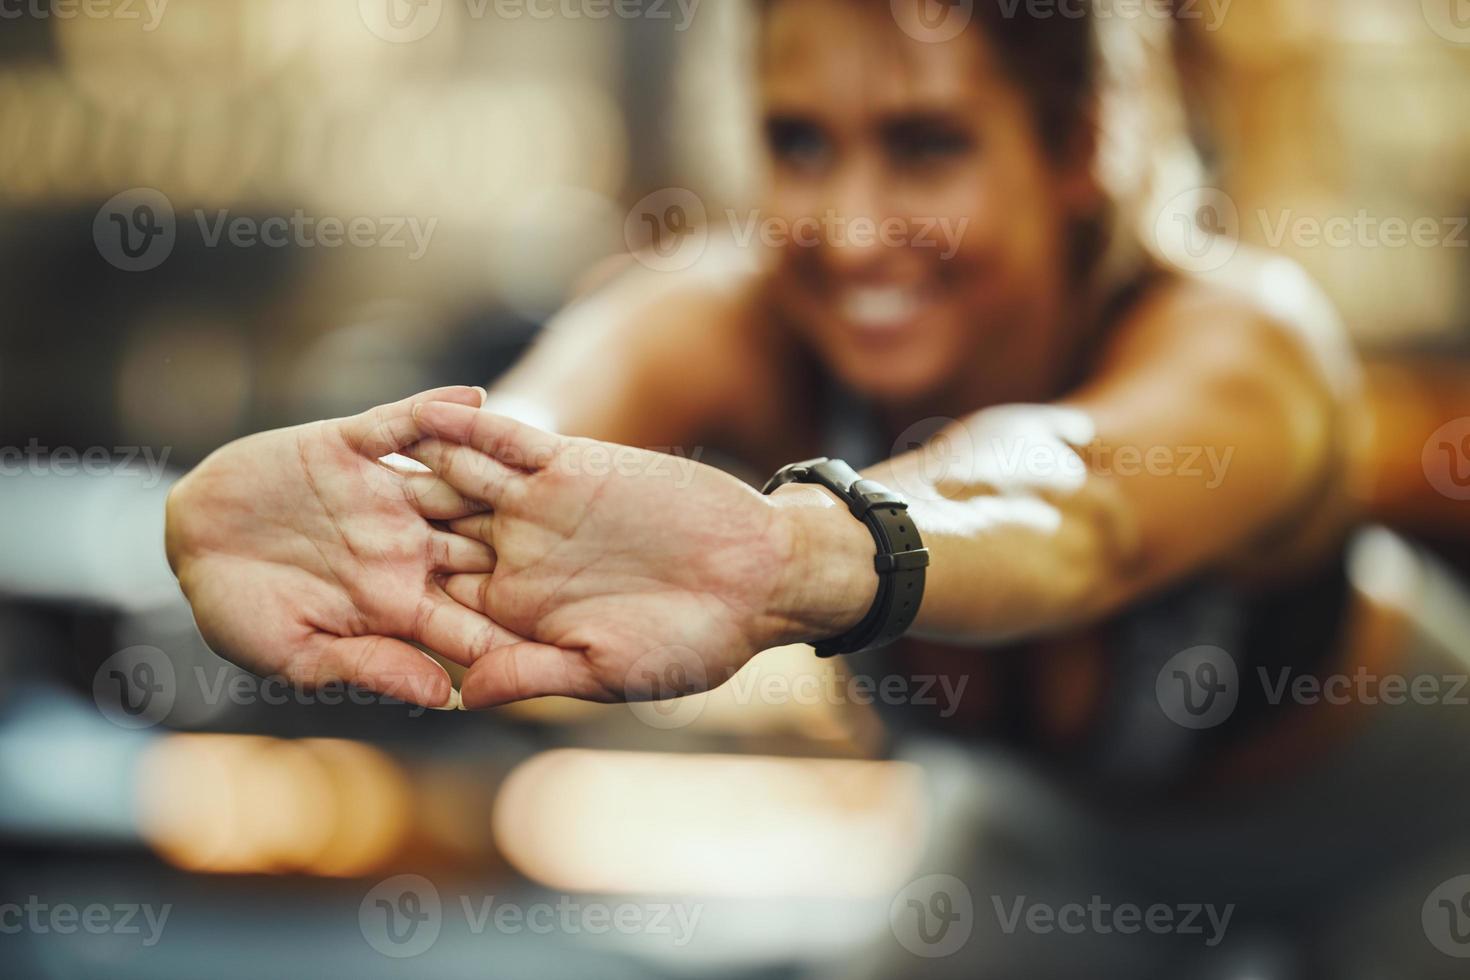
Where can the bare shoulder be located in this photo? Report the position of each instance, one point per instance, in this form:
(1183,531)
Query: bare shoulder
(649,356)
(1257,352)
(1262,311)
(698,318)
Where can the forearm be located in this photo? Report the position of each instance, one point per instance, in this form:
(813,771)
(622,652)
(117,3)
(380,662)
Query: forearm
(1001,567)
(1205,432)
(1006,568)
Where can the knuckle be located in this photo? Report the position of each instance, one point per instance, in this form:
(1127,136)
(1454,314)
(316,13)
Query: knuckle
(483,643)
(510,667)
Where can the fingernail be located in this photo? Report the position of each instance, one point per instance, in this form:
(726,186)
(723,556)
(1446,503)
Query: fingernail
(416,410)
(455,703)
(484,395)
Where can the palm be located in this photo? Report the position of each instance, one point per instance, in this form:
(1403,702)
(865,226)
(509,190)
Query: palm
(304,556)
(568,576)
(636,575)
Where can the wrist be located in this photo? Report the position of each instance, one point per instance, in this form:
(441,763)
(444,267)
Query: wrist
(826,581)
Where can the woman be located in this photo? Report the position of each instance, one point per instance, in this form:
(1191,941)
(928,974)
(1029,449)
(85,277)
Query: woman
(862,121)
(1138,462)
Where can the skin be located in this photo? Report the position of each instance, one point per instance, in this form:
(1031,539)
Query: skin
(863,122)
(305,557)
(618,575)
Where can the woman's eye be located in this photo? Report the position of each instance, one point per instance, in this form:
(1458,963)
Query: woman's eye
(797,144)
(926,146)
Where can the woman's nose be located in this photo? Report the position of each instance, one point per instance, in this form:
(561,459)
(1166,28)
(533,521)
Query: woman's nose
(853,223)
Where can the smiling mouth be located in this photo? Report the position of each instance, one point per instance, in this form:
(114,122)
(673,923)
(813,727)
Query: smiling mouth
(881,312)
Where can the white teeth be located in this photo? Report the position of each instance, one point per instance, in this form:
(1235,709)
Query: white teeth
(880,307)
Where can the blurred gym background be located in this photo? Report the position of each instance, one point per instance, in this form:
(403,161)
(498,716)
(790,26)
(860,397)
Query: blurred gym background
(265,819)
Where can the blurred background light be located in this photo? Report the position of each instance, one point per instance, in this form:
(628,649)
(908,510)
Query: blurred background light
(584,820)
(242,804)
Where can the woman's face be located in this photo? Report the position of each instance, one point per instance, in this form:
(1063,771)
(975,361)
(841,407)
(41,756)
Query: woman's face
(925,224)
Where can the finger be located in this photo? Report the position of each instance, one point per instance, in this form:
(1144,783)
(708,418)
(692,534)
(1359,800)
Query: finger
(389,667)
(475,475)
(529,670)
(437,500)
(425,492)
(480,527)
(455,631)
(472,591)
(455,553)
(388,428)
(509,441)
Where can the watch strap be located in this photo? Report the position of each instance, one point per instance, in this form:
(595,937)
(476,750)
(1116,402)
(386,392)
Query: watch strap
(900,557)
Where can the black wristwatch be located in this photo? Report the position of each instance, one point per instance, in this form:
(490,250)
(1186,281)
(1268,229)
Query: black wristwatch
(901,557)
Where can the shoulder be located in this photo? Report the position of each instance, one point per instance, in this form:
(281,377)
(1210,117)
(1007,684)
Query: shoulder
(1260,354)
(1262,314)
(715,305)
(704,336)
(648,353)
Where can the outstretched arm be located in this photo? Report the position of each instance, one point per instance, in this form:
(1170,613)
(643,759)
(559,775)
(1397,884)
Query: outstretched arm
(1206,426)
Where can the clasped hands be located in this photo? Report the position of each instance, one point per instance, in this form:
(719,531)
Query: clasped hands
(544,564)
